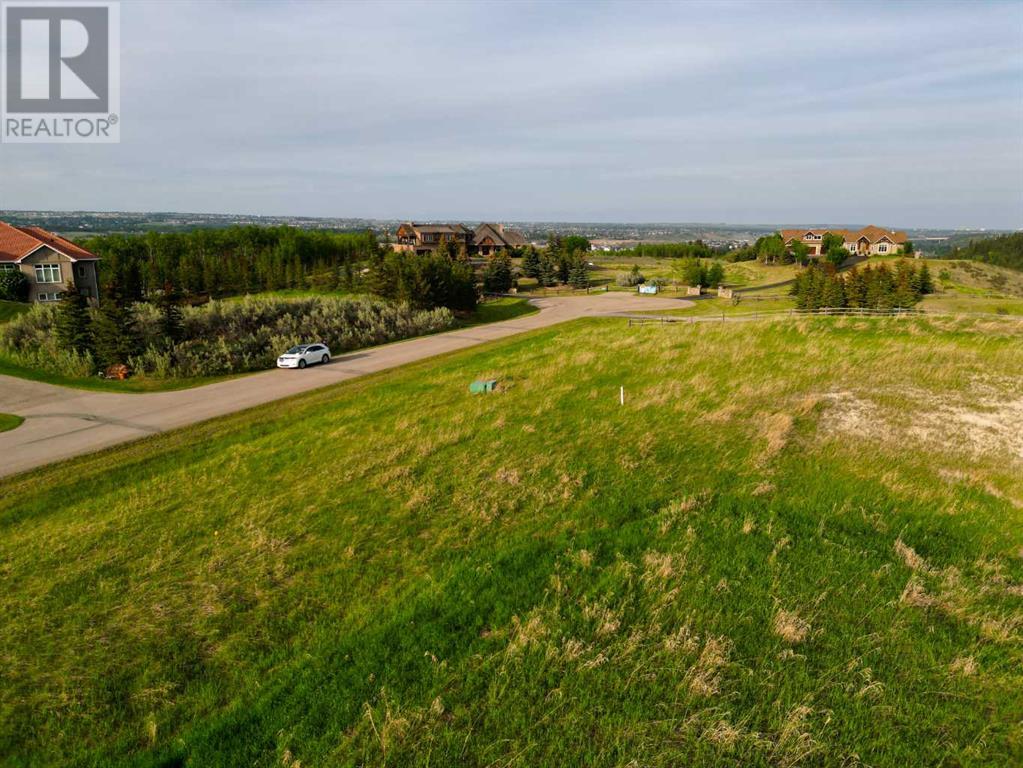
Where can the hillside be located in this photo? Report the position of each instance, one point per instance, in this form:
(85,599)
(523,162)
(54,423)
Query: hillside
(795,544)
(1002,250)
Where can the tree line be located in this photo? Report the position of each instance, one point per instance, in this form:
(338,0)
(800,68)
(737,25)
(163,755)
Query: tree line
(1002,251)
(693,250)
(563,261)
(230,261)
(169,271)
(821,286)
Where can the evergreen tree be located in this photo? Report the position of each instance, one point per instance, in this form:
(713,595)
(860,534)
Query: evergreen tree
(565,263)
(113,331)
(73,326)
(833,295)
(548,274)
(880,287)
(531,263)
(497,275)
(580,276)
(926,281)
(554,248)
(171,320)
(855,289)
(907,284)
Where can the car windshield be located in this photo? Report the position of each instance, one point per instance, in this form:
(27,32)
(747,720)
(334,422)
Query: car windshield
(297,350)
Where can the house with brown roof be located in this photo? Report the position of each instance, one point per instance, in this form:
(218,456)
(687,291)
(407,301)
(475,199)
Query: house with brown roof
(424,238)
(50,262)
(863,242)
(494,238)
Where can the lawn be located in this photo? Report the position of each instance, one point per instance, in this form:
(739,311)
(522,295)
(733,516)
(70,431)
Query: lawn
(11,309)
(796,543)
(9,367)
(747,275)
(951,302)
(498,310)
(9,421)
(747,305)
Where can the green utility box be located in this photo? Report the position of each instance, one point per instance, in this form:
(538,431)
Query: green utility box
(483,385)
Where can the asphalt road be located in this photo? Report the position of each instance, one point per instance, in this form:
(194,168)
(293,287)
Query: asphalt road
(61,422)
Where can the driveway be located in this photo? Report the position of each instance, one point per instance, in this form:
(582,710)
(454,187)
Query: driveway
(61,422)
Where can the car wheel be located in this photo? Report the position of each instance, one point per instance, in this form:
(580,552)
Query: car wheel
(325,359)
(301,363)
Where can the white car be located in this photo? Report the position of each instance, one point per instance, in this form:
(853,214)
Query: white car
(303,355)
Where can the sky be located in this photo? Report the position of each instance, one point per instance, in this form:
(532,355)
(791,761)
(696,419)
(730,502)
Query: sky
(902,114)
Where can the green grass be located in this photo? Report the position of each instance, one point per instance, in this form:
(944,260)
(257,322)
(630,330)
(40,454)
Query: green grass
(9,367)
(498,310)
(747,275)
(784,549)
(9,421)
(946,302)
(713,305)
(11,309)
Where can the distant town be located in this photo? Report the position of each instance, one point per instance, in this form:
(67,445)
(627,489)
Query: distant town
(603,236)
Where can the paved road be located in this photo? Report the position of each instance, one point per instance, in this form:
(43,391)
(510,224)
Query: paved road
(62,422)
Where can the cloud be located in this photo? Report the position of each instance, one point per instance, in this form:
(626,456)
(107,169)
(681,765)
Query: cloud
(737,112)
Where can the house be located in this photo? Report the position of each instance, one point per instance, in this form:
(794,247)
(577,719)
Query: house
(51,263)
(424,238)
(865,242)
(494,238)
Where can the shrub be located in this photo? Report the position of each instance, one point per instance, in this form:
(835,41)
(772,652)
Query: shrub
(13,285)
(225,337)
(631,278)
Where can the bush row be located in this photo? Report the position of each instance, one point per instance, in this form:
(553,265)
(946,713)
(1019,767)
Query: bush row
(224,337)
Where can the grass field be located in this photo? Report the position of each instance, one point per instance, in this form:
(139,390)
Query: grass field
(748,275)
(11,309)
(797,543)
(712,305)
(9,421)
(497,310)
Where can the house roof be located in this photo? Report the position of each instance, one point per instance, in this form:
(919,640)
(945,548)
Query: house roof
(18,242)
(436,229)
(872,233)
(500,234)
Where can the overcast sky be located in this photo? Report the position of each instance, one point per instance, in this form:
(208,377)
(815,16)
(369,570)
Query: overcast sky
(905,114)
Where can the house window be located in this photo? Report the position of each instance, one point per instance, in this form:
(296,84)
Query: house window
(882,248)
(47,273)
(50,296)
(81,270)
(8,267)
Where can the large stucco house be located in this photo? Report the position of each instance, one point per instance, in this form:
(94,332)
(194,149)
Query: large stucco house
(494,238)
(485,239)
(424,238)
(864,242)
(51,263)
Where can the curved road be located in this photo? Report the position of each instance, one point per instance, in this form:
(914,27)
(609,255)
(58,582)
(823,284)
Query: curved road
(61,422)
